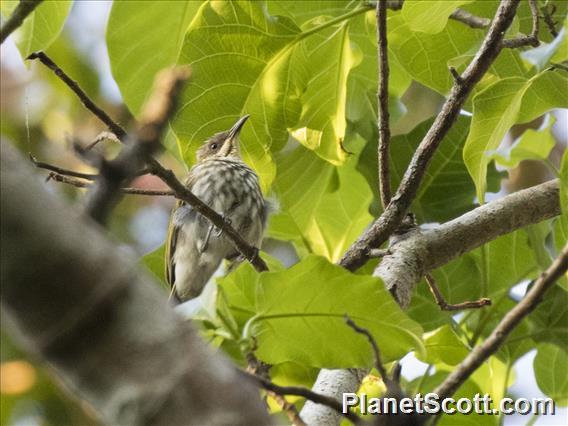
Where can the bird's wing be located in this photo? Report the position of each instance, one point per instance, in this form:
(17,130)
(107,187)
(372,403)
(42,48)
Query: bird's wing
(172,239)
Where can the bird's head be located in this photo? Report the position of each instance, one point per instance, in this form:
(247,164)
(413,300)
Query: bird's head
(223,144)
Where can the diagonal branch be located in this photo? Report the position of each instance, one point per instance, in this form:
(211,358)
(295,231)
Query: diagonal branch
(421,251)
(395,212)
(21,12)
(83,97)
(383,103)
(511,320)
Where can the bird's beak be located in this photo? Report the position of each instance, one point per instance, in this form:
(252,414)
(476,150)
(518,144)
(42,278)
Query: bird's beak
(236,129)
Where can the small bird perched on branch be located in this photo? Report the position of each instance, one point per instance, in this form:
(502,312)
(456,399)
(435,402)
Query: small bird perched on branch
(195,248)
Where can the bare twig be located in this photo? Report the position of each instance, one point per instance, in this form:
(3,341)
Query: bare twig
(83,97)
(532,38)
(445,306)
(511,320)
(376,352)
(78,183)
(456,75)
(61,171)
(548,11)
(259,369)
(467,18)
(383,103)
(21,12)
(395,212)
(153,166)
(305,393)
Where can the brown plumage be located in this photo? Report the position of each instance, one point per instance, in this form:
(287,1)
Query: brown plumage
(195,249)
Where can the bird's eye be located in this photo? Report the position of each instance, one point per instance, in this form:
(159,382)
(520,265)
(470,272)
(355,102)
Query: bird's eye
(213,146)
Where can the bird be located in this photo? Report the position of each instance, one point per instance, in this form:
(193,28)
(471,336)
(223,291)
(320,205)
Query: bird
(222,180)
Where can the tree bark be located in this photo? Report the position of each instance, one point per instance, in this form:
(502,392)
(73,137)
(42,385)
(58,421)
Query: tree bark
(72,297)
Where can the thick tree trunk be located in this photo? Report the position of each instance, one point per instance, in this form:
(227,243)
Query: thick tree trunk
(75,299)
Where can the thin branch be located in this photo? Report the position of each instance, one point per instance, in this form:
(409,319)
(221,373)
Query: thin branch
(83,97)
(61,171)
(395,212)
(467,18)
(383,103)
(376,352)
(548,11)
(445,306)
(78,183)
(532,38)
(259,369)
(305,393)
(21,12)
(511,320)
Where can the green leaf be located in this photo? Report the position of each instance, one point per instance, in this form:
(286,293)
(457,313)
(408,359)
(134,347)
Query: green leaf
(426,57)
(544,93)
(240,58)
(443,345)
(428,16)
(495,110)
(533,145)
(564,183)
(446,190)
(42,26)
(551,372)
(154,263)
(143,38)
(548,321)
(299,311)
(326,206)
(322,124)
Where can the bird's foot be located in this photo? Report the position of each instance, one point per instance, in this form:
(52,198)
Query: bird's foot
(219,231)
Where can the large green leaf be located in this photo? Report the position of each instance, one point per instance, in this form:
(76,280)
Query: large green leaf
(426,57)
(551,372)
(495,110)
(446,190)
(241,62)
(564,183)
(429,16)
(533,145)
(548,323)
(41,27)
(443,345)
(322,123)
(325,205)
(142,38)
(502,104)
(297,315)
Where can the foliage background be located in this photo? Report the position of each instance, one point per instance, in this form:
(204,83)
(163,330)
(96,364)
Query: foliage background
(308,69)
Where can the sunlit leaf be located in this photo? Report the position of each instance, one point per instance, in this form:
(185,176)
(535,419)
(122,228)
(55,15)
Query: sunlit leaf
(327,206)
(429,16)
(533,145)
(42,26)
(443,345)
(551,372)
(294,318)
(142,38)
